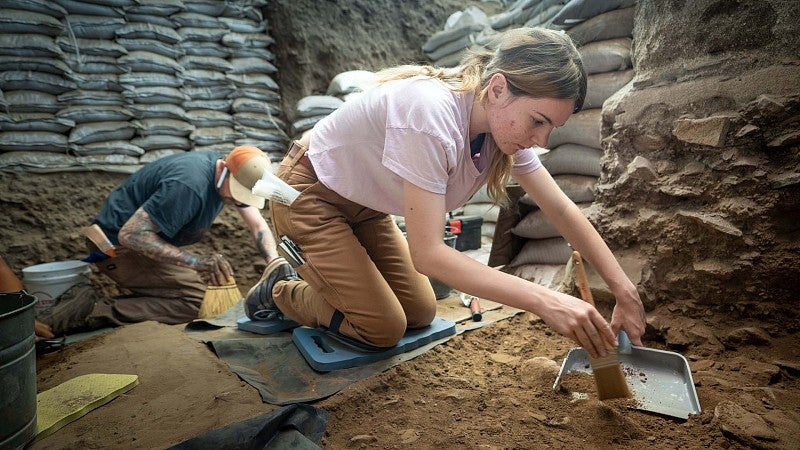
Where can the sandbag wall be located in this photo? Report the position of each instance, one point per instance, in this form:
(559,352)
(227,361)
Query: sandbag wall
(602,32)
(114,84)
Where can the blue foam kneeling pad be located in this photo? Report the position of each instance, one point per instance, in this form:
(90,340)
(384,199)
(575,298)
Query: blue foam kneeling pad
(324,353)
(268,326)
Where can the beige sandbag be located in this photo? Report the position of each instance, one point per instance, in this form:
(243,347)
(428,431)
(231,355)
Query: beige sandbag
(579,188)
(609,55)
(582,128)
(488,211)
(535,225)
(610,25)
(543,251)
(572,159)
(601,86)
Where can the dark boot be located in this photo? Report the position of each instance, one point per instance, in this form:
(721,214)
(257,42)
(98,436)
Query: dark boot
(259,304)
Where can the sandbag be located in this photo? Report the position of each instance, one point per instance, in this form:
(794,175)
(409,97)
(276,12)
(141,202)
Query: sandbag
(573,159)
(142,30)
(316,105)
(107,148)
(544,17)
(578,188)
(87,97)
(46,162)
(443,37)
(606,56)
(576,11)
(31,102)
(207,7)
(247,40)
(543,251)
(90,8)
(149,18)
(195,34)
(95,113)
(17,80)
(350,81)
(143,61)
(25,45)
(253,80)
(160,142)
(257,120)
(208,78)
(159,111)
(156,7)
(97,81)
(535,225)
(99,47)
(251,65)
(87,133)
(38,6)
(489,211)
(258,93)
(244,104)
(583,127)
(15,21)
(152,46)
(190,19)
(209,118)
(257,133)
(43,141)
(601,86)
(214,135)
(154,155)
(221,104)
(35,64)
(306,123)
(238,25)
(93,64)
(155,94)
(610,25)
(133,80)
(93,27)
(218,92)
(193,62)
(35,122)
(257,52)
(169,127)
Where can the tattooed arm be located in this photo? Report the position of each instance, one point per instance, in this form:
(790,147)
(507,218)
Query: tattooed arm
(265,241)
(140,233)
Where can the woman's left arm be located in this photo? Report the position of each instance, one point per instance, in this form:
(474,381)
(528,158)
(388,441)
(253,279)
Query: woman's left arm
(578,231)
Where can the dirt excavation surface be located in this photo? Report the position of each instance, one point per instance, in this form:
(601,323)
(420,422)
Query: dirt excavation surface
(713,228)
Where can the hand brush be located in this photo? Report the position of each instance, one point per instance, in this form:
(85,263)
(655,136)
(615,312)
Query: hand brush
(608,375)
(219,299)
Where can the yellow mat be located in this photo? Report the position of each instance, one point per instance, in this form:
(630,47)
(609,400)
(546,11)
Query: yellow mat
(74,398)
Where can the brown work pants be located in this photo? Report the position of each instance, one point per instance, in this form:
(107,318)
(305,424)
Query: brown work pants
(357,262)
(162,292)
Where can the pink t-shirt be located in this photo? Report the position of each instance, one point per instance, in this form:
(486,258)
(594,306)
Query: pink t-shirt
(416,129)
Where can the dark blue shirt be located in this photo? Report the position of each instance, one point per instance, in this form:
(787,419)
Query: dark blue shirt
(177,192)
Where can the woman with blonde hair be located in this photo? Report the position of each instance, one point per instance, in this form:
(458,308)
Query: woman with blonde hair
(418,144)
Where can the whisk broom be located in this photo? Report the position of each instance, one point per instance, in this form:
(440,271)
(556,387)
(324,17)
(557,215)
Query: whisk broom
(219,299)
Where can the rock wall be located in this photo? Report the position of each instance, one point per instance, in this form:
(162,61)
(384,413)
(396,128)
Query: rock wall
(701,166)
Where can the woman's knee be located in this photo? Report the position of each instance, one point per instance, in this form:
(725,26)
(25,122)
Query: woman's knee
(385,332)
(422,314)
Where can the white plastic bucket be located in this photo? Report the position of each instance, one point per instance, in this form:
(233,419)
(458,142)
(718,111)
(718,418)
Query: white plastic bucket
(48,281)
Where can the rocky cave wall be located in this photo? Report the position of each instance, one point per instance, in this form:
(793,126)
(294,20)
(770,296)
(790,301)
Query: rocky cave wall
(701,158)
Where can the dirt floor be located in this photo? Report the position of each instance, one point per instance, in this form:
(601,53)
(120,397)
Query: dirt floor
(485,389)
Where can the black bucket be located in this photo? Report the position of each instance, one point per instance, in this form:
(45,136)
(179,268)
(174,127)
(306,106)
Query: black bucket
(17,370)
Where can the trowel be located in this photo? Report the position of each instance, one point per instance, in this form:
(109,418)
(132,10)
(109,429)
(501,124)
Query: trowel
(660,381)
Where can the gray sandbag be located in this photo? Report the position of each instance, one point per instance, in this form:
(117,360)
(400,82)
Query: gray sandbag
(255,52)
(99,47)
(195,34)
(238,25)
(576,11)
(155,155)
(3,102)
(97,81)
(205,49)
(193,62)
(543,251)
(610,25)
(511,15)
(573,159)
(92,27)
(251,65)
(159,111)
(267,136)
(31,102)
(161,142)
(149,18)
(35,122)
(244,104)
(350,81)
(156,7)
(583,127)
(209,118)
(443,37)
(535,225)
(15,21)
(452,59)
(38,6)
(606,56)
(601,86)
(250,9)
(141,30)
(258,93)
(96,98)
(107,148)
(203,78)
(152,46)
(47,162)
(543,17)
(191,19)
(208,7)
(578,188)
(93,64)
(155,94)
(452,47)
(253,80)
(224,148)
(17,80)
(25,45)
(317,105)
(257,120)
(257,133)
(43,141)
(95,113)
(168,127)
(35,64)
(142,61)
(281,142)
(131,80)
(247,40)
(87,133)
(90,8)
(221,104)
(218,92)
(306,123)
(214,135)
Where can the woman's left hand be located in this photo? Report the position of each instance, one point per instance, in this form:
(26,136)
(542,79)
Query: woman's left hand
(629,315)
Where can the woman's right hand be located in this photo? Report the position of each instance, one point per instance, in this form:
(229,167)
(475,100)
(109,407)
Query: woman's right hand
(579,321)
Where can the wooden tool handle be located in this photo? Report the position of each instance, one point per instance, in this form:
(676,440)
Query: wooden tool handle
(475,308)
(583,282)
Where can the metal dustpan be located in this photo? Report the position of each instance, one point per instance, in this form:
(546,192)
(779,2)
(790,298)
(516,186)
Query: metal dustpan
(660,381)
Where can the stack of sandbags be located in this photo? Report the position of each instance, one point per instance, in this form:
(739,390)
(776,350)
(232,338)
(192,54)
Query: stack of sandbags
(574,158)
(344,86)
(462,31)
(529,13)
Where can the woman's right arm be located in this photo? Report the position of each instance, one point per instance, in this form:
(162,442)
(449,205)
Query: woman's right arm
(569,316)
